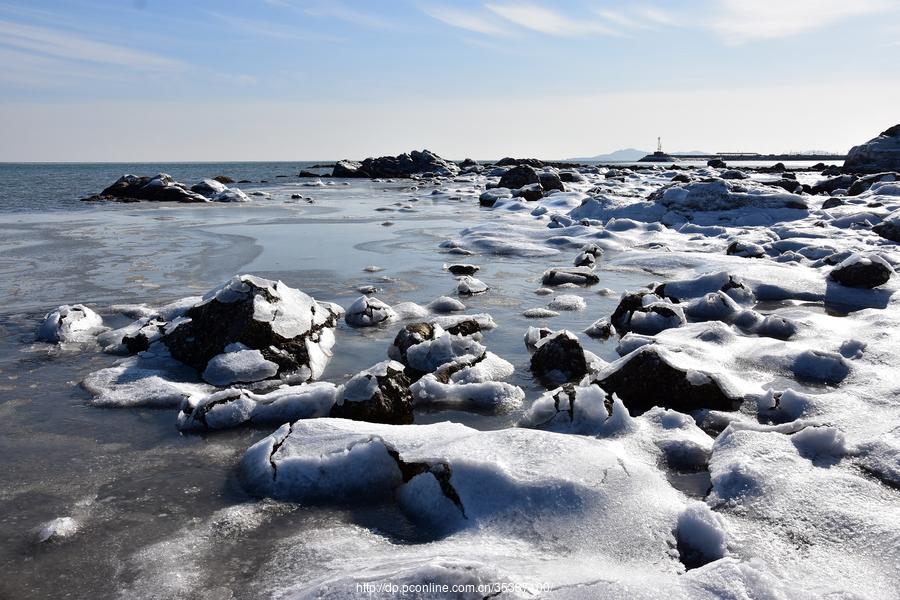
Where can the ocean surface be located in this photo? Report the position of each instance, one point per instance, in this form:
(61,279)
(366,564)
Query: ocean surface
(143,493)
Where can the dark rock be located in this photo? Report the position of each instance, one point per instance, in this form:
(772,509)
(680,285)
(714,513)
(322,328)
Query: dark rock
(832,203)
(831,171)
(889,229)
(308,174)
(531,162)
(519,177)
(401,166)
(551,181)
(745,249)
(530,193)
(841,182)
(462,269)
(296,196)
(409,336)
(776,168)
(862,272)
(588,256)
(208,187)
(647,377)
(576,275)
(864,183)
(682,178)
(288,327)
(389,402)
(733,174)
(716,163)
(877,155)
(161,188)
(348,169)
(468,162)
(654,314)
(558,358)
(787,184)
(571,177)
(223,179)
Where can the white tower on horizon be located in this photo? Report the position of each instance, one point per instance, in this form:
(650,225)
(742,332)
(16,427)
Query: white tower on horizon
(659,145)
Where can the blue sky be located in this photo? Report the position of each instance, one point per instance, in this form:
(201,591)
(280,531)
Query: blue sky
(307,79)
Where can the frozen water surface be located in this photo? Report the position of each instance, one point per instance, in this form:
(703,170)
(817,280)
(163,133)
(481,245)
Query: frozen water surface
(794,495)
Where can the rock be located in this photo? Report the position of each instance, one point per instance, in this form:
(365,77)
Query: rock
(469,286)
(877,155)
(534,335)
(567,302)
(559,358)
(56,530)
(863,272)
(530,193)
(208,187)
(651,376)
(681,178)
(778,167)
(224,179)
(588,256)
(70,323)
(401,166)
(369,312)
(490,197)
(309,174)
(160,188)
(716,163)
(296,196)
(646,313)
(379,394)
(288,327)
(841,182)
(889,229)
(531,162)
(551,181)
(745,249)
(787,184)
(570,177)
(348,169)
(229,195)
(467,162)
(576,275)
(463,269)
(733,174)
(864,183)
(600,329)
(831,171)
(519,177)
(409,336)
(832,203)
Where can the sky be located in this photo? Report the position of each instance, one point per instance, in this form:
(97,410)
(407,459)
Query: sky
(211,80)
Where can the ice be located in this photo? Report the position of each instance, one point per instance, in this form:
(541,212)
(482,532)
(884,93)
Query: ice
(492,396)
(56,530)
(235,407)
(70,324)
(540,313)
(151,379)
(567,302)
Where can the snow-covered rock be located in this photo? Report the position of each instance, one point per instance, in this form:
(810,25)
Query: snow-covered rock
(70,323)
(369,312)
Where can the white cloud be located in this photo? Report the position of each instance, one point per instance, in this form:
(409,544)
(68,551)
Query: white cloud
(544,20)
(61,44)
(463,19)
(273,30)
(739,21)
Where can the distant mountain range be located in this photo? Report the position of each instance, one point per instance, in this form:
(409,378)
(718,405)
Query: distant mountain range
(624,155)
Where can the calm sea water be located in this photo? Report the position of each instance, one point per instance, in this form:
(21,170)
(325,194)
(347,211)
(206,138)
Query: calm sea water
(32,187)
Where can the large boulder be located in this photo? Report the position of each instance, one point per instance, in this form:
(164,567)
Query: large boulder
(646,313)
(879,154)
(401,166)
(551,181)
(519,177)
(864,183)
(508,161)
(348,169)
(889,229)
(286,327)
(160,188)
(652,376)
(208,187)
(864,272)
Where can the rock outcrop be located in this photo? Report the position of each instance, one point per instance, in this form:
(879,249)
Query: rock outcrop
(877,155)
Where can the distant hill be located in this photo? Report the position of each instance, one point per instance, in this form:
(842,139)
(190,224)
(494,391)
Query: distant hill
(625,155)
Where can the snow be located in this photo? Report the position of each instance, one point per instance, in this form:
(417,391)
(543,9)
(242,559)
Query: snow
(567,302)
(56,529)
(469,286)
(446,304)
(70,324)
(238,365)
